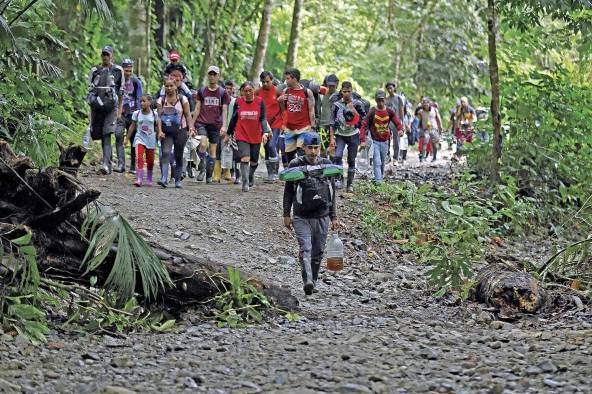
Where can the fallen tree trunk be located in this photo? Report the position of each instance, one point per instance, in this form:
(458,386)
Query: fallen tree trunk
(51,202)
(509,290)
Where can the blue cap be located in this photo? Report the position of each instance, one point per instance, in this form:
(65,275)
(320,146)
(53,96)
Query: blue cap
(312,138)
(107,49)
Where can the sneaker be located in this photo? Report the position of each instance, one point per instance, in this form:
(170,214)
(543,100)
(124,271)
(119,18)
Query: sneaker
(178,185)
(350,189)
(132,171)
(190,171)
(337,184)
(119,170)
(163,184)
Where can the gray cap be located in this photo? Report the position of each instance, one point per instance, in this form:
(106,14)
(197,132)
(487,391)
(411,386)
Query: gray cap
(380,94)
(213,69)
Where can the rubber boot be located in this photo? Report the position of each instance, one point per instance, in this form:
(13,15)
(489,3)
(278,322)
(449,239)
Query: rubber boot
(434,151)
(190,168)
(350,181)
(275,170)
(209,169)
(178,175)
(227,175)
(307,277)
(269,166)
(252,169)
(217,171)
(244,170)
(139,177)
(149,178)
(201,169)
(237,173)
(164,179)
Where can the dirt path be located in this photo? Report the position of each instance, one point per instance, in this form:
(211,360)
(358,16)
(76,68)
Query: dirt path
(372,328)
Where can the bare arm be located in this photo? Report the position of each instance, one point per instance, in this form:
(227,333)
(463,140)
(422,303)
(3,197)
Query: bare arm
(187,114)
(197,109)
(224,114)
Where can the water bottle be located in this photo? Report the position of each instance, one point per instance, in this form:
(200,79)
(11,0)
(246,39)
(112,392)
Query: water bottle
(335,253)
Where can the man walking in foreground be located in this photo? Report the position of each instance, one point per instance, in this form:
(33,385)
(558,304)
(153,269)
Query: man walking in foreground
(313,202)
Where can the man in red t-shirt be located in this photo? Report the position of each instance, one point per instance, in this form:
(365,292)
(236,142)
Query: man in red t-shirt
(298,106)
(377,122)
(210,109)
(270,93)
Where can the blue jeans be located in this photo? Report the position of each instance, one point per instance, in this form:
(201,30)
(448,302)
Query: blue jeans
(380,149)
(273,145)
(352,143)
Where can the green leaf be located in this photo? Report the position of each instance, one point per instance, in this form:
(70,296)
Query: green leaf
(24,240)
(453,209)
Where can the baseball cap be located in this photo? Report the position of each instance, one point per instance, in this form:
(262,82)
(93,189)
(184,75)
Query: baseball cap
(107,49)
(380,94)
(331,80)
(127,62)
(174,56)
(213,69)
(312,138)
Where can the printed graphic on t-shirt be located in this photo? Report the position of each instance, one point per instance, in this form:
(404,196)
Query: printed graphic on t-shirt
(212,101)
(295,103)
(249,115)
(145,128)
(381,124)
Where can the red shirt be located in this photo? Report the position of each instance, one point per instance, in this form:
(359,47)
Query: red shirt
(272,107)
(297,116)
(210,111)
(378,126)
(248,120)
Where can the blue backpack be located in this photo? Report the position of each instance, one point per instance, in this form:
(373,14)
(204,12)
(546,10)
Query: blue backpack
(170,118)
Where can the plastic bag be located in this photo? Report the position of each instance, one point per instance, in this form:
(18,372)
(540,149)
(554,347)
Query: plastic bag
(227,156)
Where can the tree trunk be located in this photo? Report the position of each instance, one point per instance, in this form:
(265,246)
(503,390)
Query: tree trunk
(138,39)
(210,38)
(294,33)
(495,95)
(159,11)
(262,40)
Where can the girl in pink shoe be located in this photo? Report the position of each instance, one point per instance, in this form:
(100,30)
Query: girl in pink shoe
(148,124)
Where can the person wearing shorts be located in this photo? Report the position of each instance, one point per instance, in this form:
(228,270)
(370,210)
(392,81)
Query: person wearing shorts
(210,110)
(298,111)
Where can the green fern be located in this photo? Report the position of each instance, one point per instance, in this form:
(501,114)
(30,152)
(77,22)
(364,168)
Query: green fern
(133,256)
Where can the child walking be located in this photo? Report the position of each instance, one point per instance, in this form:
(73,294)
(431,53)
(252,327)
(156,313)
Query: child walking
(148,124)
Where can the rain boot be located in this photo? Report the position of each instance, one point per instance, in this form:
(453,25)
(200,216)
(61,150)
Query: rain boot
(237,176)
(434,151)
(269,166)
(210,169)
(139,177)
(245,176)
(350,181)
(149,178)
(252,169)
(227,175)
(276,169)
(201,169)
(217,171)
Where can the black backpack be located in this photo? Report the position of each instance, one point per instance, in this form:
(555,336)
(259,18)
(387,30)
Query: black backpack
(102,96)
(314,193)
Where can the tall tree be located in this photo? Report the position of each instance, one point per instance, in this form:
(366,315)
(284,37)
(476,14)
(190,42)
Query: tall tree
(294,33)
(139,38)
(211,32)
(494,77)
(262,40)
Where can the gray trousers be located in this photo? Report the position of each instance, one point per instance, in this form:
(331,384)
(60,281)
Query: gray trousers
(312,237)
(105,122)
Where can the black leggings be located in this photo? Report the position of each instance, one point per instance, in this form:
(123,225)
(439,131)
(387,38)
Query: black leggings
(178,140)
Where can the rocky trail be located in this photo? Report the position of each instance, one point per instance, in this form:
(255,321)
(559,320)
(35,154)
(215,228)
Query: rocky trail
(372,328)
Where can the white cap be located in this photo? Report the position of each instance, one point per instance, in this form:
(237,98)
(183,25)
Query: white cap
(214,69)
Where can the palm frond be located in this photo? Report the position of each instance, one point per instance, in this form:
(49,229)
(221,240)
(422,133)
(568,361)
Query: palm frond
(99,6)
(6,36)
(574,262)
(133,256)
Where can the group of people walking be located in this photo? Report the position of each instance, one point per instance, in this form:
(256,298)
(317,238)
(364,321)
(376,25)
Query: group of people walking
(219,133)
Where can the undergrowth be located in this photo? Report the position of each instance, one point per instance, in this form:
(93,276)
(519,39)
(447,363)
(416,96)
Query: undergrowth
(447,227)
